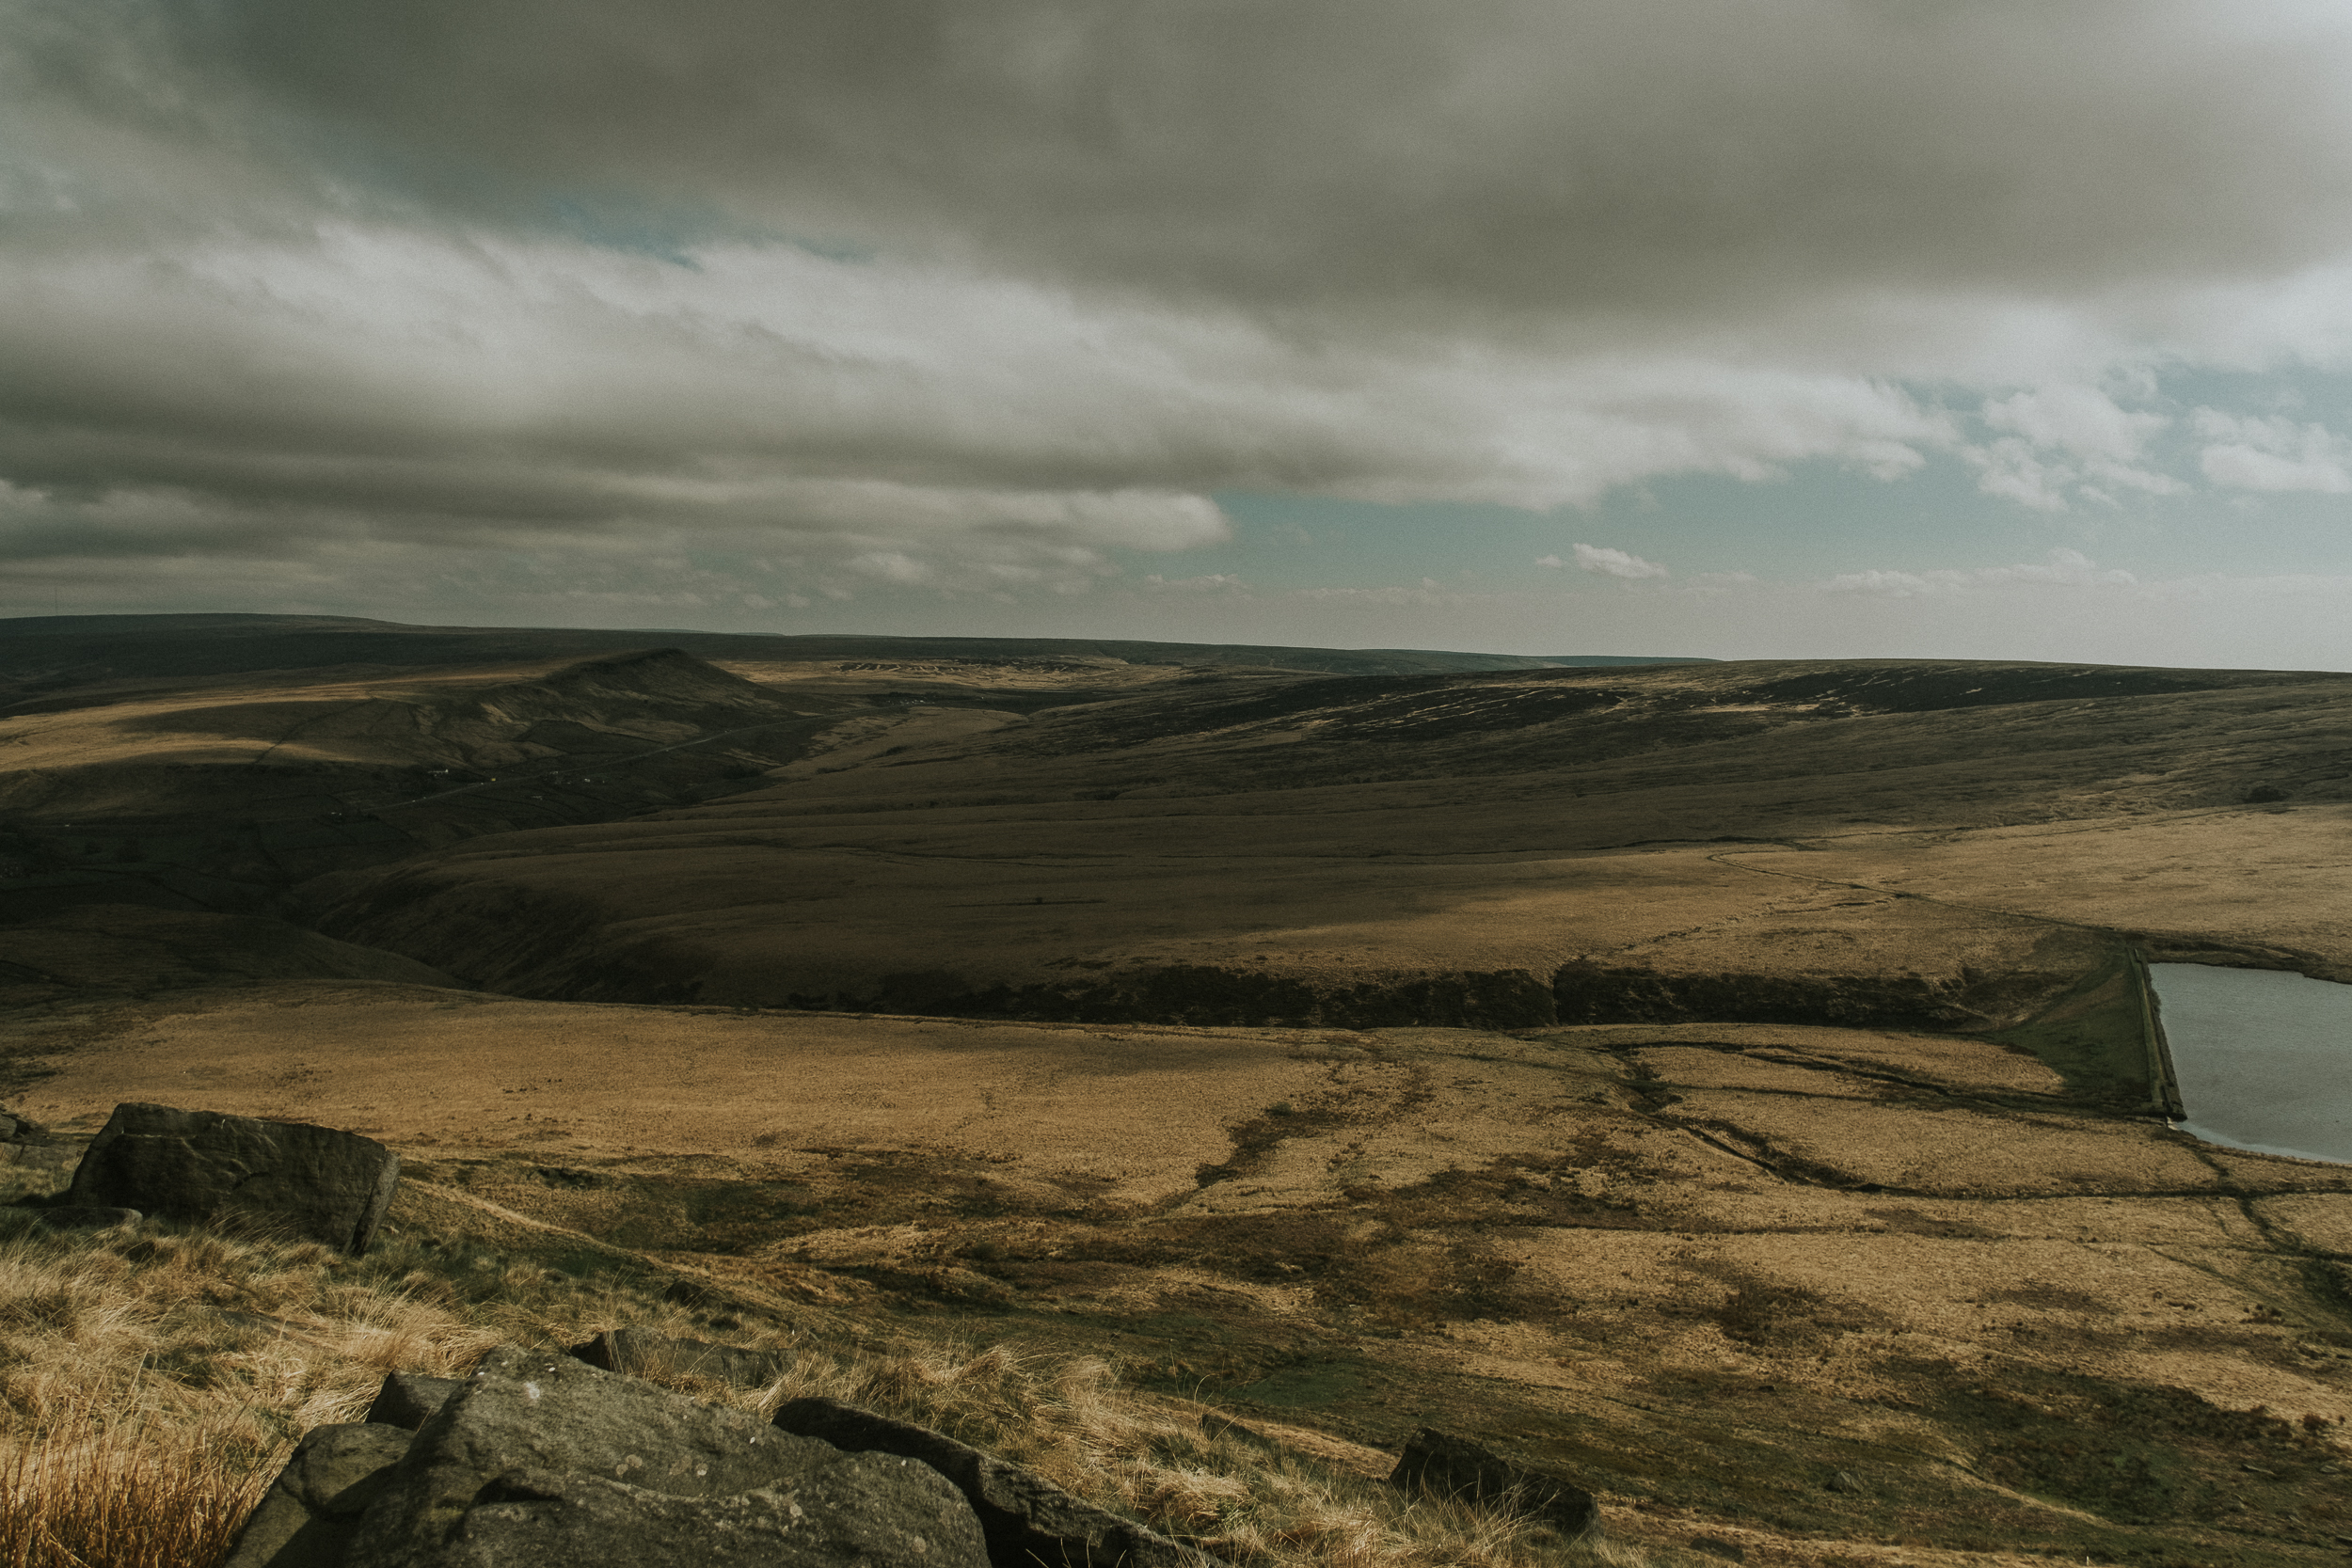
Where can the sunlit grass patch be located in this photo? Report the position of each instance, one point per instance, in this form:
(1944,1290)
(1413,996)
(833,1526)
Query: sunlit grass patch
(123,1494)
(1071,1419)
(152,1382)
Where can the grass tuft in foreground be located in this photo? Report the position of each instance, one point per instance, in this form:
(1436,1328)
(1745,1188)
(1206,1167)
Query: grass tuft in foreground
(121,1495)
(152,1382)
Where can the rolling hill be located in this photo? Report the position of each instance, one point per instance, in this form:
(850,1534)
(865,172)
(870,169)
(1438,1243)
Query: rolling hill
(1721,1081)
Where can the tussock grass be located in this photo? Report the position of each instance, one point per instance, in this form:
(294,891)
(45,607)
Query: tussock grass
(1069,1419)
(157,1494)
(152,1380)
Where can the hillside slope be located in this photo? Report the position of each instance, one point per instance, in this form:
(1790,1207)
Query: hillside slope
(1502,849)
(45,655)
(111,950)
(213,795)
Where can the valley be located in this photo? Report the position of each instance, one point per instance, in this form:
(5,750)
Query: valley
(1721,1082)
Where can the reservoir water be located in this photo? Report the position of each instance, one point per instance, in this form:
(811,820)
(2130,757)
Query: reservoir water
(2262,1057)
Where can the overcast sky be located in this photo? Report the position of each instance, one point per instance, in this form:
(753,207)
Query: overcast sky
(1826,327)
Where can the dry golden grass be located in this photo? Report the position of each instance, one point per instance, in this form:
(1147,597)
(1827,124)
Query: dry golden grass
(153,1380)
(1069,1420)
(154,1494)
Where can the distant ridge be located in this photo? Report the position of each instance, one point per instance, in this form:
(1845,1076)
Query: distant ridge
(66,625)
(211,645)
(1399,661)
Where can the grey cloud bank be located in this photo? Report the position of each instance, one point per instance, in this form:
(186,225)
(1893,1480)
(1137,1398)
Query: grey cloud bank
(1616,154)
(945,309)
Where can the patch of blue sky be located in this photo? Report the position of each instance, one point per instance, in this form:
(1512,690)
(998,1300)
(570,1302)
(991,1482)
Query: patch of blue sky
(605,218)
(1819,519)
(623,226)
(620,221)
(1822,518)
(2302,391)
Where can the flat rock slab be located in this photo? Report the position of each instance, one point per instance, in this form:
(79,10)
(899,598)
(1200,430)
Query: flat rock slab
(408,1400)
(1027,1519)
(540,1461)
(544,1519)
(310,1514)
(1440,1465)
(200,1165)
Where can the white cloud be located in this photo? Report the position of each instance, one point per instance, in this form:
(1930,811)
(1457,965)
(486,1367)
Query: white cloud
(1225,584)
(2070,567)
(2082,421)
(891,566)
(2061,568)
(2066,441)
(1616,563)
(1897,585)
(1717,584)
(418,386)
(2011,469)
(1428,593)
(2253,453)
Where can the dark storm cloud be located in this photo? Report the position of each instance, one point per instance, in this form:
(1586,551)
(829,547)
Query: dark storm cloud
(969,292)
(1520,154)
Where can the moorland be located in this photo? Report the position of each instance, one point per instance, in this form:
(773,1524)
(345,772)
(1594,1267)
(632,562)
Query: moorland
(1727,1083)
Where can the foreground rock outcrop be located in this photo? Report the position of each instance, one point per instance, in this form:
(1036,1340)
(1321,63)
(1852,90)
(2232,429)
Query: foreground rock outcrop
(539,1459)
(1026,1518)
(202,1165)
(408,1400)
(543,1459)
(310,1514)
